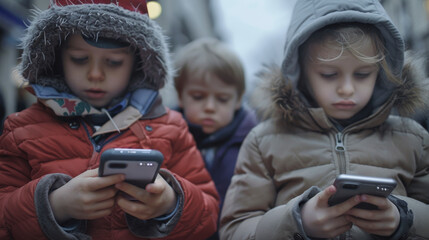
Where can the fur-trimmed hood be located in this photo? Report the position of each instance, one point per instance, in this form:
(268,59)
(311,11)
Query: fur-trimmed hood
(278,95)
(50,28)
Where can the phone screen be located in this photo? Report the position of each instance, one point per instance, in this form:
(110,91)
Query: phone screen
(140,166)
(350,185)
(138,173)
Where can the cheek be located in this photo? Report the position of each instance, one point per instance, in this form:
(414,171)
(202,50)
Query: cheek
(72,74)
(366,94)
(70,77)
(367,89)
(121,75)
(227,113)
(120,84)
(312,83)
(323,93)
(190,109)
(67,70)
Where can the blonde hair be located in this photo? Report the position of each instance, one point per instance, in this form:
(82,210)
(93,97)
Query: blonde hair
(208,56)
(349,37)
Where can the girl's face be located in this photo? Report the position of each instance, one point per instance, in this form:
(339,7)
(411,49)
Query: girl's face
(96,75)
(342,85)
(209,102)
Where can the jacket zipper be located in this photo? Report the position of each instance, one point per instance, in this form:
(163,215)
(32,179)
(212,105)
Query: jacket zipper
(340,149)
(98,146)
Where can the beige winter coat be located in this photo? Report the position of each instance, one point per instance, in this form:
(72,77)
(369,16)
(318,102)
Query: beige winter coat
(278,162)
(297,151)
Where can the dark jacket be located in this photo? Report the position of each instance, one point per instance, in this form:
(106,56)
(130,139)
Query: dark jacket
(220,149)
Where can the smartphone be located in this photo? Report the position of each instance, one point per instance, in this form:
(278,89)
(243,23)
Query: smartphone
(350,185)
(140,166)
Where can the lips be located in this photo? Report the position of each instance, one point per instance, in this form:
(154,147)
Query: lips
(208,122)
(95,93)
(344,105)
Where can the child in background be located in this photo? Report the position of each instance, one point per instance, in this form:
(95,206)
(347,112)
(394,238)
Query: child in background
(96,67)
(210,84)
(329,114)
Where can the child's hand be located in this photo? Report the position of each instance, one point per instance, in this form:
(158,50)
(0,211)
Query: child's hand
(322,221)
(383,222)
(86,196)
(157,199)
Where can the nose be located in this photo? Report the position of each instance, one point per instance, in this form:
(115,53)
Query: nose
(95,72)
(346,87)
(210,104)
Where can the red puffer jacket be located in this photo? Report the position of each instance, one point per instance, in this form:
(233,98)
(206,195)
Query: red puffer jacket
(36,142)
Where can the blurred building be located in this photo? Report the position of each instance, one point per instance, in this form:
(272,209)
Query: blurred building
(412,19)
(186,20)
(12,17)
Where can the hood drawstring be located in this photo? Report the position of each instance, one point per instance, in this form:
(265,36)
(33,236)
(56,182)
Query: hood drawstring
(111,119)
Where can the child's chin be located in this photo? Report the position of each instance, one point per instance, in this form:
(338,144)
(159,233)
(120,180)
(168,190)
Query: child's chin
(342,116)
(98,104)
(209,130)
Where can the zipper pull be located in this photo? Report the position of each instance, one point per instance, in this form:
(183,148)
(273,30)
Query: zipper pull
(339,146)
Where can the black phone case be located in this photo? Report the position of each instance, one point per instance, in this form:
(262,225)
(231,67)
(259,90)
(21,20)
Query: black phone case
(351,185)
(140,166)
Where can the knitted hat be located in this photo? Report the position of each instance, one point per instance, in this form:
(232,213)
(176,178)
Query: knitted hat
(117,20)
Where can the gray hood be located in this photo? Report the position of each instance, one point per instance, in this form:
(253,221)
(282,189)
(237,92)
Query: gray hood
(311,15)
(51,27)
(278,95)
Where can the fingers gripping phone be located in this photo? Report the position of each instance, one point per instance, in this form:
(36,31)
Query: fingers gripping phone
(350,185)
(140,166)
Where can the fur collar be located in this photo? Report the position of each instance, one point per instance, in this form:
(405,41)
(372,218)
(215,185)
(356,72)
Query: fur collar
(276,96)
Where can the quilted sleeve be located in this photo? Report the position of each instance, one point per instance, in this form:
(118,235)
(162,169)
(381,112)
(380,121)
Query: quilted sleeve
(18,218)
(199,215)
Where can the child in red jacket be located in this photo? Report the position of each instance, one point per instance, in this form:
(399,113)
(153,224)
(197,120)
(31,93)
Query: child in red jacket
(96,68)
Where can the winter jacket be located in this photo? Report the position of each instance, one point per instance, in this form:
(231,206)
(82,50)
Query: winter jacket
(60,136)
(298,150)
(220,149)
(41,151)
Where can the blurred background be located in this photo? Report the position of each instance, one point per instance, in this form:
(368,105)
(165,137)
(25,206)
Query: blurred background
(254,29)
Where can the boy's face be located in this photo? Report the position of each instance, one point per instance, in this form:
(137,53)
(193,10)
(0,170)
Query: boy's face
(96,75)
(342,85)
(209,102)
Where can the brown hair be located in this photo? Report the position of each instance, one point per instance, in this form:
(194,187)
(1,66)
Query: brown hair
(208,56)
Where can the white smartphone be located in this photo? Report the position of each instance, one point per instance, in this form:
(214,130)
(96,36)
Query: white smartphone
(350,185)
(140,166)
